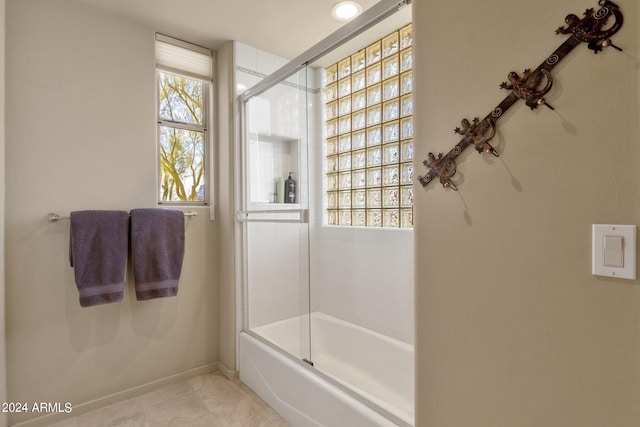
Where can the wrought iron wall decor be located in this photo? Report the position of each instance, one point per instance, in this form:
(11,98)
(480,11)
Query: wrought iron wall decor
(531,86)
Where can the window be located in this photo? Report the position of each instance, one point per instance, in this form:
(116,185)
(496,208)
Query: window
(369,129)
(183,80)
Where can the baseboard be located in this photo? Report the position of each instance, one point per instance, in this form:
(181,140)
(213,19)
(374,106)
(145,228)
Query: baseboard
(229,374)
(81,408)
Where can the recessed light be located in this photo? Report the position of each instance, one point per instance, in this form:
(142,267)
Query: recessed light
(345,10)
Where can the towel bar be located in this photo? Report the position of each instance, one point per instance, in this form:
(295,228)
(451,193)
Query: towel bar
(54,217)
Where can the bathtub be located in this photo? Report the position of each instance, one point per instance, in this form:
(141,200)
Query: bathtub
(359,377)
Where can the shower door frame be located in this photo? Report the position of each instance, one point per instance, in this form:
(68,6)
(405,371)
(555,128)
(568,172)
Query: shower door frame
(376,13)
(247,209)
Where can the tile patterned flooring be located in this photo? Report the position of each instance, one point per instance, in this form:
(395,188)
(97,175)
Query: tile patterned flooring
(209,400)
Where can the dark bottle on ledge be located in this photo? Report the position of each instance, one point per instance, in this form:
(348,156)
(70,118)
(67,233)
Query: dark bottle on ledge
(290,190)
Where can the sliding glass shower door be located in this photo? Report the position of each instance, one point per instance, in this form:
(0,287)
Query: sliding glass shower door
(274,214)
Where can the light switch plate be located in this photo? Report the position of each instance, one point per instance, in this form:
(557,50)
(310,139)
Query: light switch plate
(609,259)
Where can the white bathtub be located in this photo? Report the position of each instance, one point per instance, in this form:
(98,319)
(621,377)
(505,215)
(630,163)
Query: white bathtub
(359,377)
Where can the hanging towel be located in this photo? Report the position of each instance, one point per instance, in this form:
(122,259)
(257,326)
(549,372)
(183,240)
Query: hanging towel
(98,243)
(157,251)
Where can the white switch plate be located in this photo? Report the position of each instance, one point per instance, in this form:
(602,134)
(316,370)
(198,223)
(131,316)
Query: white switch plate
(628,235)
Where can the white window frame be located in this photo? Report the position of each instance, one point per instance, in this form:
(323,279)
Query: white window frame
(197,71)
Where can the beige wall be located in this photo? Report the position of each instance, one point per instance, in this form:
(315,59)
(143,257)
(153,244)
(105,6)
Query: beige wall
(81,135)
(3,377)
(225,215)
(512,328)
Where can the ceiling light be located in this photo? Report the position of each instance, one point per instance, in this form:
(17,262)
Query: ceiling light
(346,10)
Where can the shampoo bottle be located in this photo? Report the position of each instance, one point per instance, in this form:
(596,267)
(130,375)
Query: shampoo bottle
(290,190)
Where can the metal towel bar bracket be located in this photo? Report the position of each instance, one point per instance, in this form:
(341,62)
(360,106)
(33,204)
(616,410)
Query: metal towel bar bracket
(54,217)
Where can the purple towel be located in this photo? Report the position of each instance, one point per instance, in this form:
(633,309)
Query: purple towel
(98,243)
(157,250)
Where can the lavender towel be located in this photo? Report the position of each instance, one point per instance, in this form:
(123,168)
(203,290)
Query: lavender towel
(98,243)
(157,251)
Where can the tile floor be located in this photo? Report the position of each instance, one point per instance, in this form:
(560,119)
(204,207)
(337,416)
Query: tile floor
(209,400)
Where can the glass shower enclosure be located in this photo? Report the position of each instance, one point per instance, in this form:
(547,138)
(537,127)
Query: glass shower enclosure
(275,214)
(307,290)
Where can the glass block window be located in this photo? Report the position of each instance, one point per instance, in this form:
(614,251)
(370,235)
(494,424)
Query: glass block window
(369,135)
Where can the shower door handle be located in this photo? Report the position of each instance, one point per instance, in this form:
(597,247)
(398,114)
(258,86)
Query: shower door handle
(298,216)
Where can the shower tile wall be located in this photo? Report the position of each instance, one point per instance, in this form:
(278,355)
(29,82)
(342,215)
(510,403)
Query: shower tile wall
(253,64)
(275,291)
(365,277)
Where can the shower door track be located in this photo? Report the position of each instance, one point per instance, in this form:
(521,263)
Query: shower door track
(370,17)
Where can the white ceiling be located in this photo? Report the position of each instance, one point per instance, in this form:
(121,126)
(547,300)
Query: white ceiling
(282,27)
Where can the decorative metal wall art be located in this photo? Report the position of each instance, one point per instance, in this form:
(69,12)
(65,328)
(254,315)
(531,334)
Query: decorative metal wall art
(531,86)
